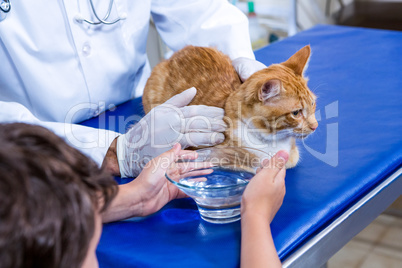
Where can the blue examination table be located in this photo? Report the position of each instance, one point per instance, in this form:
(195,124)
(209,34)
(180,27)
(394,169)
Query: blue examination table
(350,169)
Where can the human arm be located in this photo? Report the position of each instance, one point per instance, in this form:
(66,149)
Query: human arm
(90,141)
(150,191)
(260,202)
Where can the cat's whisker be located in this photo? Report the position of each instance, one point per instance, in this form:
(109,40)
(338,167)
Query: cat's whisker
(319,85)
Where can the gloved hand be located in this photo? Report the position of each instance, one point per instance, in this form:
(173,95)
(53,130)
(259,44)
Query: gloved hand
(245,67)
(167,124)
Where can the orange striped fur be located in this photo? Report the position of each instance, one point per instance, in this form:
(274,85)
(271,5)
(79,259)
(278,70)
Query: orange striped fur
(275,102)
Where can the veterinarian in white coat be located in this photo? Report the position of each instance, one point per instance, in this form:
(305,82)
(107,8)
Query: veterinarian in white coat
(57,70)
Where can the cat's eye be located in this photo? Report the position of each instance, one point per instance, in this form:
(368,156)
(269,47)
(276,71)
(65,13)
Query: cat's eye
(295,113)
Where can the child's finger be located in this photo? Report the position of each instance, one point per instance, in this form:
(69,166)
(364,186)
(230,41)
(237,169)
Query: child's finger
(197,173)
(187,154)
(278,161)
(272,167)
(188,166)
(280,177)
(164,159)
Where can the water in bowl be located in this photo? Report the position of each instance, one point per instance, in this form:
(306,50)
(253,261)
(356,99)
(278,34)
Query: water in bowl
(219,178)
(218,194)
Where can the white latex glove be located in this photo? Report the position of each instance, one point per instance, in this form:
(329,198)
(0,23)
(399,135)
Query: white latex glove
(245,67)
(165,125)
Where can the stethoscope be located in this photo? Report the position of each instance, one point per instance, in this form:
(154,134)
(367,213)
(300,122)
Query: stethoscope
(5,6)
(80,18)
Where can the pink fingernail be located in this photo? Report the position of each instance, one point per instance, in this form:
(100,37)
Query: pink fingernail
(283,154)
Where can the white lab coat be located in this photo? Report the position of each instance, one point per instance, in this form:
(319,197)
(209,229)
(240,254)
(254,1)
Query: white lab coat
(56,71)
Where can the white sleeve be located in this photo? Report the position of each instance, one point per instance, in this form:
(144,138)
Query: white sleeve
(90,141)
(215,23)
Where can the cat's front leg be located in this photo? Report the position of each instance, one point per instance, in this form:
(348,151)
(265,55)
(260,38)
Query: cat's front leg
(293,156)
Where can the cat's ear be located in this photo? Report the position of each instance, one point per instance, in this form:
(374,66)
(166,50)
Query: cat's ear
(270,89)
(299,61)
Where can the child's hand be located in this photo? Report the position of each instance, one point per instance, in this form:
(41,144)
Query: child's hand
(265,192)
(152,186)
(150,191)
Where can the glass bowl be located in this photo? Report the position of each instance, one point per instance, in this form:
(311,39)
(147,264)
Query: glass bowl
(216,179)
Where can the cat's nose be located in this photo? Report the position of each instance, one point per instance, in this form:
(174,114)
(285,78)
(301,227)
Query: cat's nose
(313,126)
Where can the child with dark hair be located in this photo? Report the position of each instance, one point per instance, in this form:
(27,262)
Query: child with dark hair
(54,199)
(51,197)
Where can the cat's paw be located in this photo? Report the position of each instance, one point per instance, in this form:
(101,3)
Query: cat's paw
(293,158)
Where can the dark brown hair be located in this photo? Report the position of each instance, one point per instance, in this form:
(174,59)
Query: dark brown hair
(49,193)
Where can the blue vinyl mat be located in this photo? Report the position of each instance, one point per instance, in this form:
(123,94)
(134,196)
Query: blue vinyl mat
(357,75)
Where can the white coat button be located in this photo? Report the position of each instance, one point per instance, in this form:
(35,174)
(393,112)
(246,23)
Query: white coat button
(86,49)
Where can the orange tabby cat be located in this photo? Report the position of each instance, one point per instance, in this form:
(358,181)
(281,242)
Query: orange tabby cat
(266,112)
